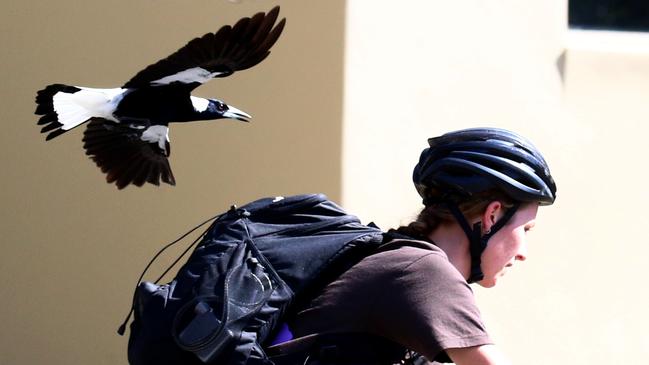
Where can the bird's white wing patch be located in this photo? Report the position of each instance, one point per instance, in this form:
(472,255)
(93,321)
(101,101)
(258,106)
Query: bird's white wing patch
(195,74)
(157,134)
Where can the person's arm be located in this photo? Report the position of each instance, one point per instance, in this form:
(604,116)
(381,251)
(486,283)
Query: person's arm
(477,355)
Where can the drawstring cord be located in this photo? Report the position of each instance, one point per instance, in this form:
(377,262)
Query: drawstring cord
(122,328)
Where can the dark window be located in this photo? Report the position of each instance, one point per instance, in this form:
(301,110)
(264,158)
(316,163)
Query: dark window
(623,15)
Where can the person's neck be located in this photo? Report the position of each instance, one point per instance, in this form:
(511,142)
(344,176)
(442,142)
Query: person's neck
(453,241)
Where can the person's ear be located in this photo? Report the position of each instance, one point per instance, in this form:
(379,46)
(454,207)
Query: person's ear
(491,215)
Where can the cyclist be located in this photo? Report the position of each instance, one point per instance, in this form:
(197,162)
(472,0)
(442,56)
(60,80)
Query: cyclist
(481,189)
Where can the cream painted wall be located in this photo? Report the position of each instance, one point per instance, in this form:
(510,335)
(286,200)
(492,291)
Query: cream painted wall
(423,68)
(72,245)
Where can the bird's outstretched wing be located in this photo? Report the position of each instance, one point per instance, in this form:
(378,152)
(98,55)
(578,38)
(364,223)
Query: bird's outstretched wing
(218,54)
(129,153)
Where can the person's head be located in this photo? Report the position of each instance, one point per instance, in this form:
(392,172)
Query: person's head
(489,182)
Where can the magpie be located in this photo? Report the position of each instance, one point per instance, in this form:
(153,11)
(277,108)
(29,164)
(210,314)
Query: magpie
(128,131)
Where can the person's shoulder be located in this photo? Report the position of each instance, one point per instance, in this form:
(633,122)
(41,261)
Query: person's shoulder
(409,257)
(401,254)
(412,248)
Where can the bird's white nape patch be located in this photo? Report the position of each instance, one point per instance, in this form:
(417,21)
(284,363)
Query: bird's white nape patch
(157,134)
(195,74)
(199,104)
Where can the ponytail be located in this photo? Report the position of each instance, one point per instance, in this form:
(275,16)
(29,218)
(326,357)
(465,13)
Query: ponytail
(435,214)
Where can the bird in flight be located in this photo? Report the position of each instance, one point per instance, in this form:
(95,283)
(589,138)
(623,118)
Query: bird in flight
(128,131)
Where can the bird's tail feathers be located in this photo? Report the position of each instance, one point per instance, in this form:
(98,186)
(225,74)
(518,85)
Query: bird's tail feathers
(64,107)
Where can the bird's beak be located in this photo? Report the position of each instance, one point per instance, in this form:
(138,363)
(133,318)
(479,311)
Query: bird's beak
(235,113)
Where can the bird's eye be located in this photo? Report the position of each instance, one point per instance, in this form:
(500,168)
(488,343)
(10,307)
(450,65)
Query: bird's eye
(221,107)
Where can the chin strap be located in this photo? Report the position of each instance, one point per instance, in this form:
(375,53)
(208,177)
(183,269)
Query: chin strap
(478,241)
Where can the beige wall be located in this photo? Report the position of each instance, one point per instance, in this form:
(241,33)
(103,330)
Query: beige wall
(73,246)
(427,67)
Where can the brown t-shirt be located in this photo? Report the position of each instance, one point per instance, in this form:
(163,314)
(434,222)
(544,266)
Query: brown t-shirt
(409,294)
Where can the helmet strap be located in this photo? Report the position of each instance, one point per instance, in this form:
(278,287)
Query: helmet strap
(478,241)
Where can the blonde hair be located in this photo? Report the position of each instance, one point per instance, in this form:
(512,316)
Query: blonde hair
(437,212)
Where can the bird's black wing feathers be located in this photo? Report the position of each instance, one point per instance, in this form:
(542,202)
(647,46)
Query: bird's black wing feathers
(119,151)
(218,54)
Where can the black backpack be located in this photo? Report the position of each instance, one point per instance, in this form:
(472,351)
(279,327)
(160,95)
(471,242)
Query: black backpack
(252,267)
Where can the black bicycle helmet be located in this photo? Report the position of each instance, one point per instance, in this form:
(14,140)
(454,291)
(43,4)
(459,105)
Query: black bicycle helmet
(473,160)
(462,163)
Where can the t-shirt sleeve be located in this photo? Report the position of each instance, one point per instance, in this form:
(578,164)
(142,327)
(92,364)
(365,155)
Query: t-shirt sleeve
(431,308)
